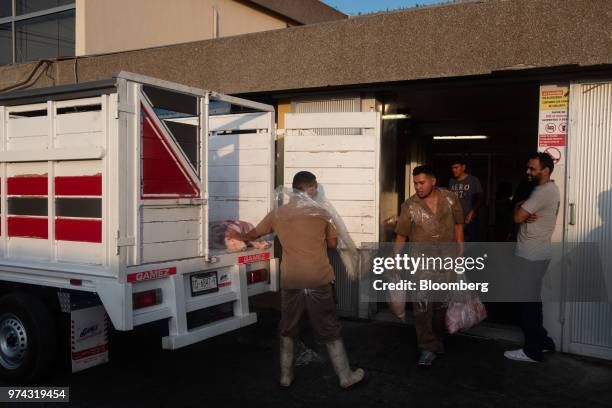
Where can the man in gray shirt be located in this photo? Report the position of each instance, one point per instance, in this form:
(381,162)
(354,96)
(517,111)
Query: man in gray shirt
(468,190)
(537,217)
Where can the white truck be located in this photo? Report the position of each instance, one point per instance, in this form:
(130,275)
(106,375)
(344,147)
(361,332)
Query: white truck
(107,192)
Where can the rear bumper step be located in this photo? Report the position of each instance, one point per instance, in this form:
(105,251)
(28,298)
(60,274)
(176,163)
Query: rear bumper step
(173,342)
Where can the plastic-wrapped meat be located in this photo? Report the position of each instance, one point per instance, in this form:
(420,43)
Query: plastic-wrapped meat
(465,313)
(259,244)
(218,232)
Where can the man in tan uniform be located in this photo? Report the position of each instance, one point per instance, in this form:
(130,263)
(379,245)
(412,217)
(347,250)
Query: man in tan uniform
(432,215)
(305,233)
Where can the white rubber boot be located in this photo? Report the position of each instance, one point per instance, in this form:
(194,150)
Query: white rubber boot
(286,361)
(337,355)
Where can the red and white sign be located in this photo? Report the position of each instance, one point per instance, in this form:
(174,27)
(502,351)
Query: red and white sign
(552,132)
(224,280)
(148,275)
(551,140)
(554,153)
(254,258)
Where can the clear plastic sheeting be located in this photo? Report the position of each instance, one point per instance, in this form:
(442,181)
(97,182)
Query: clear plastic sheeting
(219,239)
(319,206)
(305,355)
(397,299)
(426,220)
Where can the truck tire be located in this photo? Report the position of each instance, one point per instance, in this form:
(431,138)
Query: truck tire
(28,338)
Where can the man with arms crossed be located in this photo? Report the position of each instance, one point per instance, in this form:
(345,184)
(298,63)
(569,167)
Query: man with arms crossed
(537,217)
(431,215)
(305,233)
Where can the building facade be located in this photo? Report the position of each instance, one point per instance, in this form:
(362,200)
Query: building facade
(31,30)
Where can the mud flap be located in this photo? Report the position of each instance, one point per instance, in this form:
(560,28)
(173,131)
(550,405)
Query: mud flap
(89,326)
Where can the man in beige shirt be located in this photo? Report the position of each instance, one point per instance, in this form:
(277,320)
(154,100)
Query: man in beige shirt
(432,215)
(537,217)
(305,232)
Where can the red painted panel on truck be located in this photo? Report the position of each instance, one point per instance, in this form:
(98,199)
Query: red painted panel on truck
(78,185)
(33,185)
(28,227)
(67,229)
(27,206)
(162,172)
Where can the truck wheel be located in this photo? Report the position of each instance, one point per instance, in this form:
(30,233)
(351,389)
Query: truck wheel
(28,338)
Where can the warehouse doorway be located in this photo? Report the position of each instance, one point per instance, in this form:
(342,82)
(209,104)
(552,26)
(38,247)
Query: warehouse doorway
(368,182)
(492,127)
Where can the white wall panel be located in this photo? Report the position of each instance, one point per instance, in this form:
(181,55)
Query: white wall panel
(589,328)
(347,166)
(241,167)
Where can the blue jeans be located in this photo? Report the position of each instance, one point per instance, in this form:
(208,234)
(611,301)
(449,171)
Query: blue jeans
(470,231)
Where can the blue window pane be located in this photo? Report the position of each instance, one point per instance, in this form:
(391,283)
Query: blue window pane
(45,37)
(30,6)
(6,48)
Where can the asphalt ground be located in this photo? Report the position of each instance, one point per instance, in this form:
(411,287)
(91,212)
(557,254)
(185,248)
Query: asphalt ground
(240,369)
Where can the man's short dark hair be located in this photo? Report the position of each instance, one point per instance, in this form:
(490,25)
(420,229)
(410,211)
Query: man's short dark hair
(423,169)
(545,160)
(303,179)
(459,160)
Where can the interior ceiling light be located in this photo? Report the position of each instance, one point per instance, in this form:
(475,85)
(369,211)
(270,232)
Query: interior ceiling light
(470,137)
(395,116)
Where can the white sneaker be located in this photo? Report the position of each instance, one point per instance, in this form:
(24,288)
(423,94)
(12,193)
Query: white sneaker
(518,355)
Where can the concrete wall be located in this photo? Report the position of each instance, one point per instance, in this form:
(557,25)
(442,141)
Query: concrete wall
(119,25)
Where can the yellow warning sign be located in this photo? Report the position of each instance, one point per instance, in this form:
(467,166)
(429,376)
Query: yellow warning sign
(554,97)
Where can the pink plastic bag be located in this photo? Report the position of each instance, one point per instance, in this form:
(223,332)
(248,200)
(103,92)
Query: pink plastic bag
(397,300)
(465,312)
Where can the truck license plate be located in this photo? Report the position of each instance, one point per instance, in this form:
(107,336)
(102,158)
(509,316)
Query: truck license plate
(202,283)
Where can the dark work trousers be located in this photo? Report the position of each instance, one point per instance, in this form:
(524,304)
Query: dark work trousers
(320,306)
(530,317)
(430,325)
